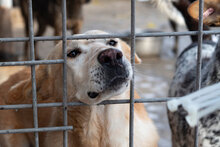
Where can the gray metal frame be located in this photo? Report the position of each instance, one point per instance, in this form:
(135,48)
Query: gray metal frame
(64,104)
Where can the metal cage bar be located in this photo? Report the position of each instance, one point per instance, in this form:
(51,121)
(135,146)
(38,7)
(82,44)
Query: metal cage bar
(63,61)
(132,38)
(29,130)
(199,60)
(113,35)
(34,62)
(64,40)
(106,102)
(33,73)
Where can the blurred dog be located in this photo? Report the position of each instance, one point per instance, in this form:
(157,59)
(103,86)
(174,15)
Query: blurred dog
(211,11)
(177,12)
(48,13)
(97,70)
(184,82)
(6,48)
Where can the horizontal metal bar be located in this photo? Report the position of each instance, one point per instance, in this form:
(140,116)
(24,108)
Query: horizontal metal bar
(48,38)
(101,36)
(29,130)
(36,62)
(124,101)
(25,39)
(53,38)
(106,102)
(212,32)
(14,39)
(169,34)
(153,100)
(166,34)
(104,36)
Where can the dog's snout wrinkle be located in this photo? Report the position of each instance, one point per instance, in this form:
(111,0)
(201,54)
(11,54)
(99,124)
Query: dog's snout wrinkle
(110,57)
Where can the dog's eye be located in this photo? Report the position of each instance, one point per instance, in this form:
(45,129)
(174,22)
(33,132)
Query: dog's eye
(112,43)
(74,53)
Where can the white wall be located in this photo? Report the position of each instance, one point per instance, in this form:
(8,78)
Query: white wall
(6,3)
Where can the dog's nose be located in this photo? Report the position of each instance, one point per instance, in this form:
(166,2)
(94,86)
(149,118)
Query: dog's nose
(110,57)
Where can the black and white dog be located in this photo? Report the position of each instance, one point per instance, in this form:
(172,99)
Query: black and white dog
(184,82)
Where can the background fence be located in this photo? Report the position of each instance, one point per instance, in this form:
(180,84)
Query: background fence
(132,35)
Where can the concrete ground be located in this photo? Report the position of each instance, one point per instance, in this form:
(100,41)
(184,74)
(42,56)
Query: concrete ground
(153,76)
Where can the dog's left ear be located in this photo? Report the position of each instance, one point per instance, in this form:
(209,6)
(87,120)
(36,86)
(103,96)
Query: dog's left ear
(127,50)
(211,12)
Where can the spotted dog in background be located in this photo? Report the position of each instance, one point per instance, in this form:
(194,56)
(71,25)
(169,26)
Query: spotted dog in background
(176,11)
(184,82)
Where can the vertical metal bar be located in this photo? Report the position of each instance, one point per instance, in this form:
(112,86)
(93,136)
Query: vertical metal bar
(199,59)
(65,121)
(200,39)
(132,37)
(33,73)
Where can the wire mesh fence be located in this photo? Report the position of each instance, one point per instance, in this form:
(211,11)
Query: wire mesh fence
(132,36)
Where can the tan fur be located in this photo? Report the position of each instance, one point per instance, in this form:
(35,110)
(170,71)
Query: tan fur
(94,125)
(6,72)
(213,19)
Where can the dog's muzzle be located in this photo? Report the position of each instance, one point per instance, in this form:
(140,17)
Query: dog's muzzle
(113,66)
(114,70)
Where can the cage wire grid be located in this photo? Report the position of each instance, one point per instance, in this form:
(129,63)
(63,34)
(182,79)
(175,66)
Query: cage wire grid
(132,35)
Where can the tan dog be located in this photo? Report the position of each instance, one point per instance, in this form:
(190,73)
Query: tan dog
(97,70)
(6,72)
(211,12)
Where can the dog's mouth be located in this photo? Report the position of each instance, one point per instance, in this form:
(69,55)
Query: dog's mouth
(114,84)
(117,81)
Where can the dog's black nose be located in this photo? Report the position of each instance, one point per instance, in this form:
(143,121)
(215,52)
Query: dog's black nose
(110,57)
(92,95)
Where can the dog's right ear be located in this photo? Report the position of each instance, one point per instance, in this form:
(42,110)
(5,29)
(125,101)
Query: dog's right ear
(211,12)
